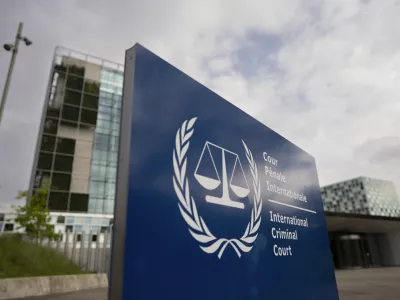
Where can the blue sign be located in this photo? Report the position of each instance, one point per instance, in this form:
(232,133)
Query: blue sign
(211,203)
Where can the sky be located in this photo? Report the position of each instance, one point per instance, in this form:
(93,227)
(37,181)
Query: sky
(324,74)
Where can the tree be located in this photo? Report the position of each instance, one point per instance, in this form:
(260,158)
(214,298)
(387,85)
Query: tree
(34,217)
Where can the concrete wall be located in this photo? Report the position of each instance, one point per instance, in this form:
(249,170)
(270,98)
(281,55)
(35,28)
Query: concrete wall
(14,288)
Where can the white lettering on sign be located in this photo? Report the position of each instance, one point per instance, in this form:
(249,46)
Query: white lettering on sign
(282,251)
(270,159)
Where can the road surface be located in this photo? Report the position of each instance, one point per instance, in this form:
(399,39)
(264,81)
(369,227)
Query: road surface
(365,284)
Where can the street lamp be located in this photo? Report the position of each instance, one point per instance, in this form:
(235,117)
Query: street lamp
(14,49)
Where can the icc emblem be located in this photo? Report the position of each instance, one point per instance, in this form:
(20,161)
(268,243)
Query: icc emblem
(233,181)
(212,183)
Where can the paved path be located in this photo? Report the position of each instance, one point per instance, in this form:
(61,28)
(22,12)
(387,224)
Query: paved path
(366,284)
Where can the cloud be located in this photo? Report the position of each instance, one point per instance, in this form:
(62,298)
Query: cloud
(324,74)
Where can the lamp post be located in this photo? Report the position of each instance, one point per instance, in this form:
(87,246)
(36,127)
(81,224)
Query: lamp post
(14,49)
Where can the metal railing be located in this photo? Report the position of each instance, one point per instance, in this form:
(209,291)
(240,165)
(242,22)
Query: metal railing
(90,251)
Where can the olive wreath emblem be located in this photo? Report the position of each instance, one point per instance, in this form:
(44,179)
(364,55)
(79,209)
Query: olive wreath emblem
(187,206)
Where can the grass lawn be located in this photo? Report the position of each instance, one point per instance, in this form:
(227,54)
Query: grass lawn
(22,259)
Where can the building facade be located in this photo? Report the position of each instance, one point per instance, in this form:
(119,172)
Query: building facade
(79,134)
(363,221)
(363,195)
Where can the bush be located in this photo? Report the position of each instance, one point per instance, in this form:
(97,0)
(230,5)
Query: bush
(23,259)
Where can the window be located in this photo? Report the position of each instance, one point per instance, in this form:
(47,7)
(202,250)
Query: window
(52,112)
(66,146)
(79,202)
(70,113)
(73,97)
(45,161)
(60,68)
(109,206)
(114,143)
(98,172)
(97,189)
(68,228)
(61,182)
(89,116)
(90,101)
(101,141)
(104,229)
(94,238)
(48,143)
(58,201)
(60,220)
(70,220)
(105,110)
(76,70)
(63,163)
(74,83)
(92,87)
(50,126)
(1,217)
(8,227)
(70,124)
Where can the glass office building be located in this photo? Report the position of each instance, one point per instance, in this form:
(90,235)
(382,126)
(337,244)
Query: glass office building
(79,134)
(363,195)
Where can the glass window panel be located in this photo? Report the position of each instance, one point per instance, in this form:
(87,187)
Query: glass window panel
(40,179)
(50,126)
(114,142)
(105,109)
(88,116)
(61,182)
(73,97)
(45,161)
(79,202)
(109,207)
(78,228)
(52,112)
(74,82)
(99,207)
(90,101)
(98,172)
(76,70)
(97,189)
(70,220)
(70,113)
(105,116)
(48,143)
(60,68)
(63,163)
(69,124)
(58,201)
(96,228)
(66,146)
(92,87)
(101,141)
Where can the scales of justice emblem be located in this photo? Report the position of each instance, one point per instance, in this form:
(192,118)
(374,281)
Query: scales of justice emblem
(227,180)
(220,162)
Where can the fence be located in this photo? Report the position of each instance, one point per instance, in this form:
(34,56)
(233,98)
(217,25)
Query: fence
(91,251)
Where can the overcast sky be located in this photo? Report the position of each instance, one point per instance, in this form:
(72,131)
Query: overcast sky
(324,74)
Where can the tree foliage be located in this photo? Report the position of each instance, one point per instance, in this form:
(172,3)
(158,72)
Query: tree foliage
(34,217)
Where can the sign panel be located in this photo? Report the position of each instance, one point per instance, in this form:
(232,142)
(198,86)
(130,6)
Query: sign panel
(211,204)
